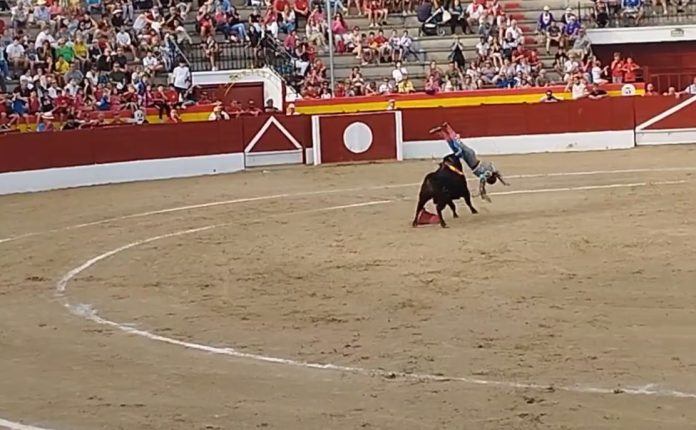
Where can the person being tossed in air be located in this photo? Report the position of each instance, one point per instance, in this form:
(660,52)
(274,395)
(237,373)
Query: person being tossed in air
(484,170)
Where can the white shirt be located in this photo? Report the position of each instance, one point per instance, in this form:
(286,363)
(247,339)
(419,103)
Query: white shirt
(43,36)
(14,50)
(123,38)
(596,74)
(515,32)
(149,61)
(474,11)
(691,89)
(384,88)
(180,76)
(578,90)
(398,74)
(213,116)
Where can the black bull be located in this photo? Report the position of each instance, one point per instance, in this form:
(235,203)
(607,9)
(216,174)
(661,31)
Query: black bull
(443,186)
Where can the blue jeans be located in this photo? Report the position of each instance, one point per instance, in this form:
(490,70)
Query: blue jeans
(464,152)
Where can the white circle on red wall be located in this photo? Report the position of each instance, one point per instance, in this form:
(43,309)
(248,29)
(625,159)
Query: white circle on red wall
(357,137)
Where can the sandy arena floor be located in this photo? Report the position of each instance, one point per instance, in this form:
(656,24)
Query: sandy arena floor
(529,315)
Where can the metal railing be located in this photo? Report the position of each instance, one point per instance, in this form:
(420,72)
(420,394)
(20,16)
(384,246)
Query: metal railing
(236,56)
(653,15)
(663,78)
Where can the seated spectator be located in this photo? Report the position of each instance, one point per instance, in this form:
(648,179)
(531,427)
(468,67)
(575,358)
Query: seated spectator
(567,16)
(582,46)
(650,90)
(458,16)
(340,32)
(600,13)
(406,86)
(386,87)
(354,42)
(632,10)
(432,85)
(376,13)
(406,46)
(544,21)
(554,37)
(571,30)
(315,35)
(662,3)
(542,80)
(475,13)
(288,23)
(514,32)
(395,46)
(41,13)
(15,56)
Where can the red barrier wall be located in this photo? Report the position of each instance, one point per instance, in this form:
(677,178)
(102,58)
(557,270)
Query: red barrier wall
(614,113)
(31,151)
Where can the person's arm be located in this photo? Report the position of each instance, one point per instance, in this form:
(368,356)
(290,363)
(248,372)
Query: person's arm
(482,190)
(435,130)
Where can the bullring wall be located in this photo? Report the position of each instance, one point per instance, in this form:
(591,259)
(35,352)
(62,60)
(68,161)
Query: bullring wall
(44,161)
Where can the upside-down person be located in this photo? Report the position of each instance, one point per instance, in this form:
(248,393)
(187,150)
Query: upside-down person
(484,170)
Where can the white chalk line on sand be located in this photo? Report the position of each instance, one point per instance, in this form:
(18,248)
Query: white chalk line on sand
(17,426)
(321,192)
(88,312)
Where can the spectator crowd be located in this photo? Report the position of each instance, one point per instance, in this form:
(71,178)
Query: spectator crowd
(83,62)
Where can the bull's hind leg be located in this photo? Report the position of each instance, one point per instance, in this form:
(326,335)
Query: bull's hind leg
(422,200)
(439,206)
(454,208)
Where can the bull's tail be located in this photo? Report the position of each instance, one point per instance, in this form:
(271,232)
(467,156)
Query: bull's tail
(425,194)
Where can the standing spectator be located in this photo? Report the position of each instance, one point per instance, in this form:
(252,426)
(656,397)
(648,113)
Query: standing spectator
(181,78)
(399,72)
(617,68)
(577,88)
(629,70)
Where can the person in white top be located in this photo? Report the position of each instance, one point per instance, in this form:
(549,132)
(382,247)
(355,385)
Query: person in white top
(218,114)
(44,35)
(123,40)
(597,73)
(15,55)
(151,64)
(181,77)
(474,12)
(578,88)
(399,72)
(514,32)
(691,89)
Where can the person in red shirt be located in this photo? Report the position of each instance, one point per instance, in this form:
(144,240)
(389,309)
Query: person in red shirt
(301,7)
(617,69)
(629,70)
(340,90)
(279,6)
(251,109)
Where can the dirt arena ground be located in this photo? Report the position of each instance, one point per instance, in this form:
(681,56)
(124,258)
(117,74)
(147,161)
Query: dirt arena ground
(567,303)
